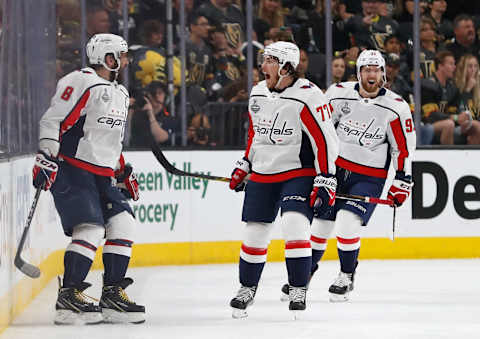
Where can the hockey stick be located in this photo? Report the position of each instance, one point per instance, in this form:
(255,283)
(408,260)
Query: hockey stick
(22,265)
(394,222)
(172,169)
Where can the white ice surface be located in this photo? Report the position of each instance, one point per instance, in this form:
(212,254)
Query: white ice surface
(392,299)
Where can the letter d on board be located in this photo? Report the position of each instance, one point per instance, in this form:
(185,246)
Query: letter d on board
(419,168)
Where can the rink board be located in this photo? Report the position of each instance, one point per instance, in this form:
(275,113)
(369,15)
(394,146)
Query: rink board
(192,221)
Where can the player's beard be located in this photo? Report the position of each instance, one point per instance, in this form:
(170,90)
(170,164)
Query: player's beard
(371,88)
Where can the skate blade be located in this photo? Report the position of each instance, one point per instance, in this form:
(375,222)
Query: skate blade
(114,317)
(238,314)
(339,298)
(284,297)
(297,314)
(67,317)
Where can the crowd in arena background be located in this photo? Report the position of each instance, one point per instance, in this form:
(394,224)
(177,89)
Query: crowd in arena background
(216,63)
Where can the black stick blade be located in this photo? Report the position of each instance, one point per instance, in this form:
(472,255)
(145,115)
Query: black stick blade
(26,268)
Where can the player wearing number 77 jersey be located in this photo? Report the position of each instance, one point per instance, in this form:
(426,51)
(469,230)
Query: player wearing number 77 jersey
(375,129)
(291,152)
(80,161)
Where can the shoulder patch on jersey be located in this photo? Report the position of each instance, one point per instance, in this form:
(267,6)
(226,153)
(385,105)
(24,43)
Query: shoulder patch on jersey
(399,99)
(339,85)
(310,85)
(87,72)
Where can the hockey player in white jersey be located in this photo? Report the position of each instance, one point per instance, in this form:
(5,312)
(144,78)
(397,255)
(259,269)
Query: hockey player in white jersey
(80,160)
(290,156)
(375,128)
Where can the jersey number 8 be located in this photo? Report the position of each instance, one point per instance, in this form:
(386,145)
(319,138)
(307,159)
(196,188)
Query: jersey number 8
(67,93)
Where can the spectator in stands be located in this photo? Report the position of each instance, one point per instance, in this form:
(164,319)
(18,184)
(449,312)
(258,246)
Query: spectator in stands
(149,61)
(439,99)
(443,26)
(222,12)
(228,65)
(199,129)
(369,28)
(257,49)
(350,56)
(115,9)
(150,119)
(395,81)
(269,14)
(189,11)
(467,80)
(98,20)
(428,48)
(237,91)
(405,18)
(338,69)
(464,41)
(312,33)
(393,45)
(68,51)
(280,34)
(304,70)
(199,58)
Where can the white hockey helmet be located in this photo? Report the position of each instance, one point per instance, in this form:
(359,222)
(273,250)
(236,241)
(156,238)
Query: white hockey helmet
(371,57)
(100,45)
(285,52)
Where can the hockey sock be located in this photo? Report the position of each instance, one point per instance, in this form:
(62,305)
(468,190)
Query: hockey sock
(348,260)
(250,273)
(298,271)
(116,266)
(316,257)
(76,268)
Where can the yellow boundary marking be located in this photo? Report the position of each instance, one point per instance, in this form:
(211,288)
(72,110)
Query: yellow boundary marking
(215,252)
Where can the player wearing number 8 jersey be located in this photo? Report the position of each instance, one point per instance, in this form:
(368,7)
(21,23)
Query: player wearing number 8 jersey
(375,129)
(81,138)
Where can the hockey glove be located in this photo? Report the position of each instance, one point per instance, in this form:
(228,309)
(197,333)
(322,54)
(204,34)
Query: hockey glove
(400,189)
(44,171)
(127,183)
(322,197)
(237,181)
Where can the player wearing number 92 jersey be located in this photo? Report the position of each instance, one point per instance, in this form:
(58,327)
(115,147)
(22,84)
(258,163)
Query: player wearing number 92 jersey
(372,131)
(87,117)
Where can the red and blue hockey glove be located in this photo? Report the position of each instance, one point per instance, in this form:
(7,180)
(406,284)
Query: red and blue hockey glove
(322,197)
(44,171)
(127,182)
(240,172)
(400,189)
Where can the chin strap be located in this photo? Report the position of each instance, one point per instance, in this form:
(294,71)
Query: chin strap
(280,77)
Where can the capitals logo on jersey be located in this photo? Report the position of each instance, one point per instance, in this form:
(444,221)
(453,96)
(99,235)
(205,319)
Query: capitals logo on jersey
(364,132)
(275,128)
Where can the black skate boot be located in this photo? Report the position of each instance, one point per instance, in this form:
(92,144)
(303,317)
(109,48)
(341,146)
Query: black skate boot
(297,297)
(117,307)
(341,287)
(286,287)
(242,300)
(72,306)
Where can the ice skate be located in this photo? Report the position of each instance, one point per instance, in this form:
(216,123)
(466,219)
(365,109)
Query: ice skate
(341,287)
(117,307)
(285,287)
(242,300)
(73,308)
(297,297)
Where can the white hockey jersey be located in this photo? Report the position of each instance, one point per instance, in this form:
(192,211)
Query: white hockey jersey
(291,133)
(372,131)
(87,117)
